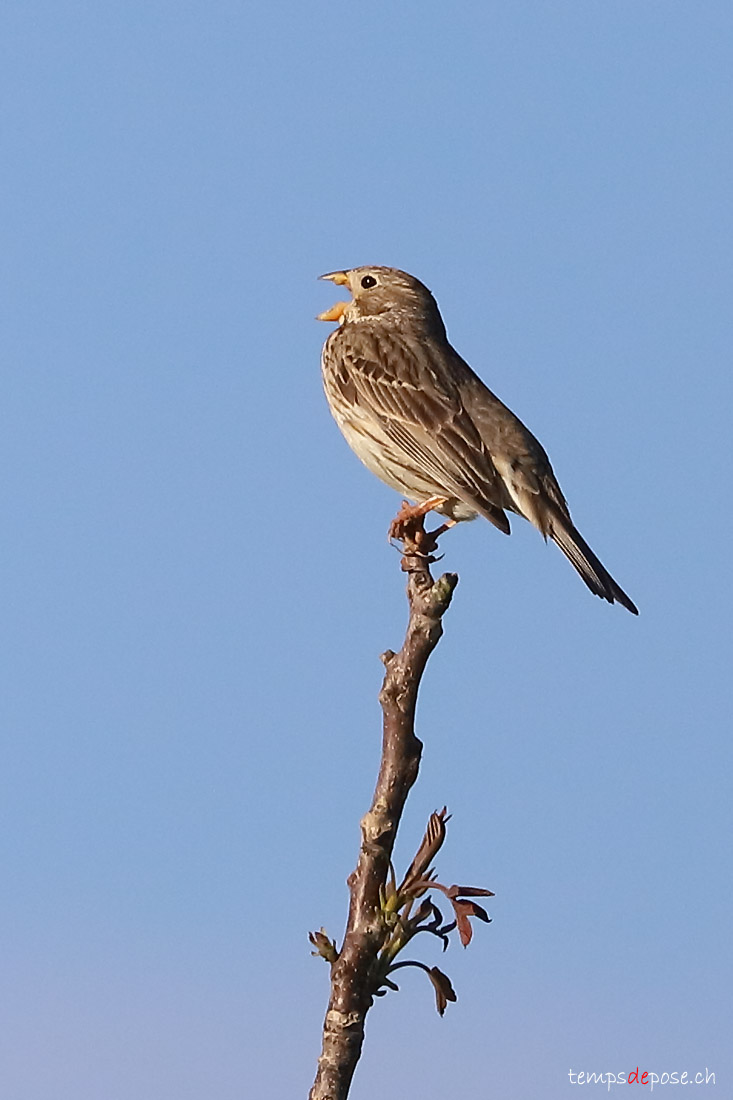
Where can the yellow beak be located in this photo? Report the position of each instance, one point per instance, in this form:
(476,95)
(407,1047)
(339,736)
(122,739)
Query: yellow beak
(338,277)
(335,313)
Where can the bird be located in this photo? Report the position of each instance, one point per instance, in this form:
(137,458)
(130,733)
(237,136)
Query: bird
(422,420)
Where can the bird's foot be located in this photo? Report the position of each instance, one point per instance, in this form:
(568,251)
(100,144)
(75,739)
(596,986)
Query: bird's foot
(401,526)
(408,527)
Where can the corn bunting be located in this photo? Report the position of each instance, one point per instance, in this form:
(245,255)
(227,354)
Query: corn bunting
(421,420)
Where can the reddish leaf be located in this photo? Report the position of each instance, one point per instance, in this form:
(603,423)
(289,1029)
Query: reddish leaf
(464,925)
(429,848)
(444,991)
(478,911)
(464,891)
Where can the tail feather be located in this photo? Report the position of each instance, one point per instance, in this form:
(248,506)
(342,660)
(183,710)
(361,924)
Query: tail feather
(580,555)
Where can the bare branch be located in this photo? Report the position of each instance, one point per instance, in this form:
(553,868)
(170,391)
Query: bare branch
(355,975)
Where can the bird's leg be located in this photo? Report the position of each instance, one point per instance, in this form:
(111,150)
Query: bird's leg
(408,527)
(402,525)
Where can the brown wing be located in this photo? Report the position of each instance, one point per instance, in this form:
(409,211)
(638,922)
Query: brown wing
(526,471)
(519,458)
(404,384)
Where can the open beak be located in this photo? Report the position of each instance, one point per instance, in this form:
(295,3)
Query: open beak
(338,277)
(335,313)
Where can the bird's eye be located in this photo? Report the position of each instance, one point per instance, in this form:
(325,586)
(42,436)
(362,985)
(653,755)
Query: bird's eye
(368,282)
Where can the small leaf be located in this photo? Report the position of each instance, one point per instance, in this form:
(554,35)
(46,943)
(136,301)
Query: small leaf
(444,991)
(480,912)
(429,848)
(423,911)
(464,925)
(427,908)
(463,891)
(325,947)
(463,910)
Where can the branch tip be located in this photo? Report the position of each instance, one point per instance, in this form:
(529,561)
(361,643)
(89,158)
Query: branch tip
(381,920)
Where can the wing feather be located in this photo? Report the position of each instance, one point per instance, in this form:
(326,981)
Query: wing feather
(419,408)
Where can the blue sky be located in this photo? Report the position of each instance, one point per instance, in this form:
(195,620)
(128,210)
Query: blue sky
(196,579)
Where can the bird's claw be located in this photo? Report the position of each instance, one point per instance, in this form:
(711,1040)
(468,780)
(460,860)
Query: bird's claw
(408,528)
(411,518)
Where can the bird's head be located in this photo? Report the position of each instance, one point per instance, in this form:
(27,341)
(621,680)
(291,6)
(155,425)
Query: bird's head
(383,293)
